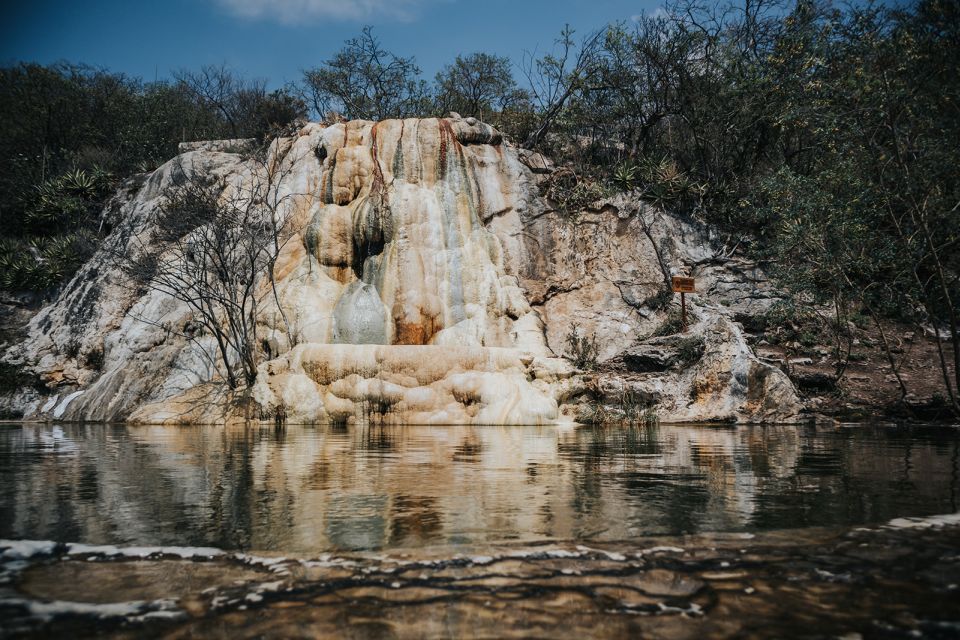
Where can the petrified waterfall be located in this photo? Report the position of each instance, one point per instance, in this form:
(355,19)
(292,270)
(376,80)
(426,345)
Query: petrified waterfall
(419,318)
(399,230)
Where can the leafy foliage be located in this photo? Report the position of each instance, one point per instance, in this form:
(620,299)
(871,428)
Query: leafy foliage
(673,323)
(364,80)
(570,192)
(583,350)
(478,85)
(57,233)
(68,133)
(824,138)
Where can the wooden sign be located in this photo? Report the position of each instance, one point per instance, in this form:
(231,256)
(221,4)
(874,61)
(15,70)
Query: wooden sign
(682,284)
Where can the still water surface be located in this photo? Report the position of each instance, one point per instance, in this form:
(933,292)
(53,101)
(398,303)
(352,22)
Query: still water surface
(314,489)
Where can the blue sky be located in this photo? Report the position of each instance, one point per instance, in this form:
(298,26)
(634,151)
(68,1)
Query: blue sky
(276,39)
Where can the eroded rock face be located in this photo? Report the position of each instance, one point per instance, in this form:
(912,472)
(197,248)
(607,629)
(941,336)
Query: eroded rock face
(421,279)
(606,270)
(662,354)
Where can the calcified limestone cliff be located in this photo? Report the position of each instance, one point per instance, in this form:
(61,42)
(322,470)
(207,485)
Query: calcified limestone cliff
(411,253)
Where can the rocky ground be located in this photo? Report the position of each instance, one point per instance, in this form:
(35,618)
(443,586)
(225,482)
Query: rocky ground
(897,580)
(867,386)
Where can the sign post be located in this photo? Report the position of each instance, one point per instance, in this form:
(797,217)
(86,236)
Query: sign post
(683,286)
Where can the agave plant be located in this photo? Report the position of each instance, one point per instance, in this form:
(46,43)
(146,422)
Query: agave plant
(665,184)
(12,264)
(626,176)
(78,182)
(51,205)
(67,198)
(41,262)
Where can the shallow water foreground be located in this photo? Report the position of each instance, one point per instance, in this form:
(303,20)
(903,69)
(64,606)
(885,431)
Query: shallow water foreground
(669,531)
(894,581)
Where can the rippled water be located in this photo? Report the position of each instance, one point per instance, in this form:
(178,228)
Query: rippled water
(313,489)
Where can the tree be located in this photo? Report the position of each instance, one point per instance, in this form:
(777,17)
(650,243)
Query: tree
(66,127)
(244,105)
(556,77)
(365,81)
(276,112)
(864,213)
(478,85)
(215,249)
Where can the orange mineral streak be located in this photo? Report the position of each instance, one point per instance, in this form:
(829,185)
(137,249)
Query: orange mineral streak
(343,275)
(378,182)
(291,255)
(447,139)
(413,333)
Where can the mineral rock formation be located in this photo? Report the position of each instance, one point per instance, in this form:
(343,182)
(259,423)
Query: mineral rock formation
(421,279)
(396,238)
(606,270)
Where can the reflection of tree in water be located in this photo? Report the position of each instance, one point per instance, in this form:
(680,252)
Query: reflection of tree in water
(88,487)
(663,479)
(641,440)
(48,468)
(414,520)
(722,473)
(680,502)
(469,449)
(310,488)
(109,488)
(230,522)
(276,505)
(378,438)
(862,475)
(589,452)
(318,476)
(8,485)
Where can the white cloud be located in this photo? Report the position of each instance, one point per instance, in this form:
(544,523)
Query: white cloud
(300,11)
(657,14)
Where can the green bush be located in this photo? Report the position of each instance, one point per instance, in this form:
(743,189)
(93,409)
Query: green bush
(787,321)
(659,300)
(673,323)
(572,193)
(583,350)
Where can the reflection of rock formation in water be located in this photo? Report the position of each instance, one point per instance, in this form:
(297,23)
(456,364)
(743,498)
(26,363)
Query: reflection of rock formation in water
(306,489)
(417,247)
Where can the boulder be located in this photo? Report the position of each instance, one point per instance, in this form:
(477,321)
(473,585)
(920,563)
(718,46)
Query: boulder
(660,354)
